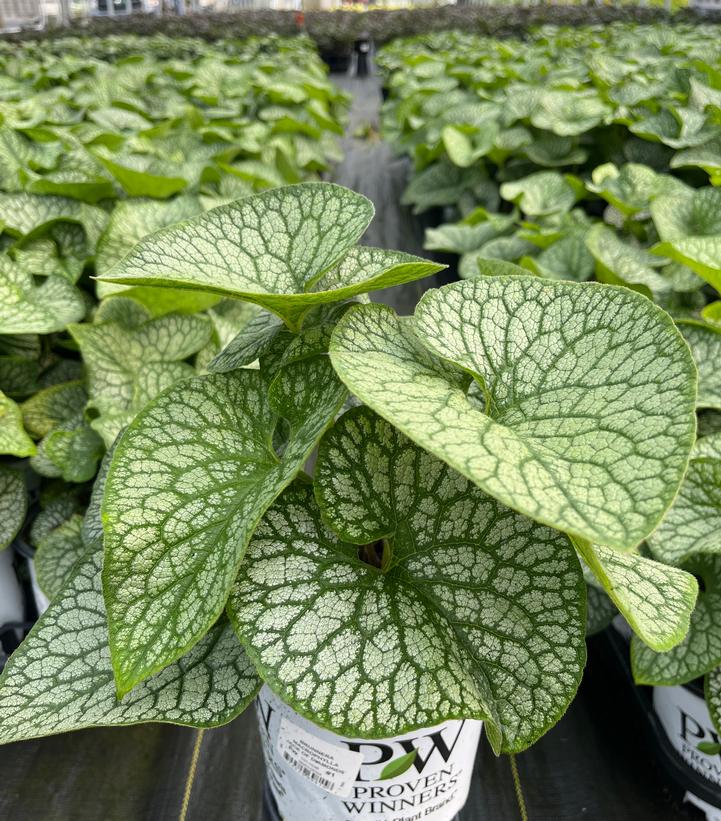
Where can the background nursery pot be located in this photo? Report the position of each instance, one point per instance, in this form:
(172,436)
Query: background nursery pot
(473,462)
(317,775)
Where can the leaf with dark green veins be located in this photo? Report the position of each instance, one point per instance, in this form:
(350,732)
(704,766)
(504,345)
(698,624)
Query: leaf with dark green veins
(25,214)
(619,263)
(308,260)
(654,598)
(398,766)
(600,610)
(29,308)
(700,651)
(474,612)
(57,554)
(130,222)
(14,440)
(13,504)
(123,362)
(705,343)
(708,446)
(188,483)
(60,678)
(690,229)
(633,187)
(712,691)
(589,393)
(53,406)
(693,524)
(541,194)
(71,450)
(252,341)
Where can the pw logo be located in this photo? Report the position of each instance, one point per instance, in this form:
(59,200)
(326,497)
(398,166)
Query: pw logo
(395,757)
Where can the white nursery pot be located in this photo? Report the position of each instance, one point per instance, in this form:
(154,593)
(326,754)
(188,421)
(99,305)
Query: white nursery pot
(686,722)
(316,775)
(11,594)
(41,600)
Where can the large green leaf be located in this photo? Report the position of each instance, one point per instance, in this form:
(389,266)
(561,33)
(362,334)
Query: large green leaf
(700,651)
(13,504)
(474,611)
(61,678)
(13,437)
(655,599)
(29,308)
(586,413)
(705,343)
(287,250)
(693,524)
(189,481)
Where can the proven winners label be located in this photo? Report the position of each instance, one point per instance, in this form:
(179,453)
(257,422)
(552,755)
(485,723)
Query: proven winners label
(687,723)
(316,775)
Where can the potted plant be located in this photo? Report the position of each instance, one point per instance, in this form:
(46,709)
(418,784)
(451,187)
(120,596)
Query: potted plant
(470,462)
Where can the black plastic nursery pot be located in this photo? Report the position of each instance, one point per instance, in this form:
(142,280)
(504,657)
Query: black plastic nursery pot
(315,775)
(337,59)
(676,721)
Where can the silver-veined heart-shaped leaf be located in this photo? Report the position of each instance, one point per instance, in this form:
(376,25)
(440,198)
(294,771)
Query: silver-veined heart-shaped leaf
(131,221)
(53,406)
(14,439)
(13,504)
(700,651)
(693,524)
(128,365)
(287,250)
(542,193)
(582,412)
(25,214)
(29,308)
(251,342)
(619,263)
(633,187)
(57,554)
(689,228)
(705,343)
(60,678)
(654,598)
(471,611)
(600,610)
(189,481)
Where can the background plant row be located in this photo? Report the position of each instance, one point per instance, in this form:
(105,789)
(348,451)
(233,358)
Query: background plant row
(338,29)
(102,142)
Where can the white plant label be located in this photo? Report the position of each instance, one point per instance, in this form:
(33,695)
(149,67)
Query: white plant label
(316,775)
(686,721)
(330,766)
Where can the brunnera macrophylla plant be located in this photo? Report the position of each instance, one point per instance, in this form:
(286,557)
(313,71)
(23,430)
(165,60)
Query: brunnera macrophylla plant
(473,461)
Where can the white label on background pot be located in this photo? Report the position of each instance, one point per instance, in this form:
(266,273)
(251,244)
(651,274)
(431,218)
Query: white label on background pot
(687,722)
(316,775)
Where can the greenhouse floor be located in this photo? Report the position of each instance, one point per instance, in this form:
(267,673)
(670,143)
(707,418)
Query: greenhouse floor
(595,764)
